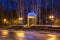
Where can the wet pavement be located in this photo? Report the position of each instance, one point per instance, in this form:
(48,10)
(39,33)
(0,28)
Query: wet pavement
(28,35)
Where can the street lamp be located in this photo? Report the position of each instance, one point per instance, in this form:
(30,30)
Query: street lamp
(51,18)
(5,20)
(20,18)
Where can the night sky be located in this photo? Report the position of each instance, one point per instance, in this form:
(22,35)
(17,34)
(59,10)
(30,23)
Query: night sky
(8,5)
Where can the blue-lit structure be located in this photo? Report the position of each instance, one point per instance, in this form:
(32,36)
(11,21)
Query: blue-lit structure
(32,18)
(32,14)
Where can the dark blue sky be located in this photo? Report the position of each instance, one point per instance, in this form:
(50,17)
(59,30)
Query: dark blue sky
(7,4)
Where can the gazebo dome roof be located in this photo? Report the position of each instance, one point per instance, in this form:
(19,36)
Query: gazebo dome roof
(32,14)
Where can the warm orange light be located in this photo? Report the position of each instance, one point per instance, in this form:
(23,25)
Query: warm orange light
(20,18)
(31,16)
(4,33)
(52,37)
(5,20)
(20,34)
(51,17)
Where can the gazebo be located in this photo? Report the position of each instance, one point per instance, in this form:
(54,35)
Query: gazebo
(32,18)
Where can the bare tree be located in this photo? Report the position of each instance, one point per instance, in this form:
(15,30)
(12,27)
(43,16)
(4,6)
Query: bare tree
(46,3)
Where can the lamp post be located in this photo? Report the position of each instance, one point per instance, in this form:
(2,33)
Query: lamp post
(20,19)
(5,20)
(51,18)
